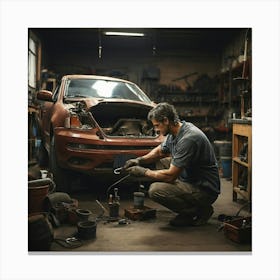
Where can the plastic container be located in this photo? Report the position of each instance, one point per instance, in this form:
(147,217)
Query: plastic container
(226,164)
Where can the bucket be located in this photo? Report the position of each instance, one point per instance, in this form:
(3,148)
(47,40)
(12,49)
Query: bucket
(37,192)
(87,229)
(226,166)
(83,214)
(36,197)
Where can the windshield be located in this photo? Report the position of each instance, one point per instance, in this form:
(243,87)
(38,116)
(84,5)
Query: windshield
(105,89)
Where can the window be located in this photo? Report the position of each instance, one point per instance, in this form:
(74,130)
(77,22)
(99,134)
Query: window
(32,59)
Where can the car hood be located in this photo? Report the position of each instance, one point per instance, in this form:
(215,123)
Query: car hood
(122,118)
(118,117)
(90,102)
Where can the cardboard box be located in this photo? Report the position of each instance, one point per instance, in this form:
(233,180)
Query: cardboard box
(140,214)
(239,230)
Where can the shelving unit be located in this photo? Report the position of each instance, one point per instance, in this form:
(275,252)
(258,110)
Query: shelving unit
(230,88)
(242,164)
(197,107)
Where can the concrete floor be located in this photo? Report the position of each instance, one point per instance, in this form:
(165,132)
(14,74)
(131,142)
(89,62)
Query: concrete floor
(154,235)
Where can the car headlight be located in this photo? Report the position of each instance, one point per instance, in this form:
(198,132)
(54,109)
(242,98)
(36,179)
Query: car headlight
(77,121)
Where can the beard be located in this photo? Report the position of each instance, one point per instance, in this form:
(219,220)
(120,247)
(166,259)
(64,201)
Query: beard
(167,131)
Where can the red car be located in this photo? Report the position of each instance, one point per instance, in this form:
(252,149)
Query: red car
(93,124)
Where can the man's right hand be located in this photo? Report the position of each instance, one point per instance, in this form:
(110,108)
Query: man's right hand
(132,162)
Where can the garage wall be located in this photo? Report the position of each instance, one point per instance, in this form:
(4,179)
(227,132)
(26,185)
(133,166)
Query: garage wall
(178,66)
(134,65)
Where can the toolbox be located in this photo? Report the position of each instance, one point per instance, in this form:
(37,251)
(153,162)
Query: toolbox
(239,230)
(140,214)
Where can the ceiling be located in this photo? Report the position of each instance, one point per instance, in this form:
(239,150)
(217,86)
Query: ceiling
(163,39)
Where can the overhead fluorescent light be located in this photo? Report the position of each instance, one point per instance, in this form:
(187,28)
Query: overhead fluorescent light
(113,33)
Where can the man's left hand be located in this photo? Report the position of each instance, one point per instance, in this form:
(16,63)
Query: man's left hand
(137,171)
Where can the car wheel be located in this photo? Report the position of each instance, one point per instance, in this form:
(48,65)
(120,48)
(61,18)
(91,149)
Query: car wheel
(60,175)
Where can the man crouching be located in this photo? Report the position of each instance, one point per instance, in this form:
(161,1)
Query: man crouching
(187,178)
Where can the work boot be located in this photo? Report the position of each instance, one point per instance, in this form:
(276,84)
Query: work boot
(203,215)
(181,220)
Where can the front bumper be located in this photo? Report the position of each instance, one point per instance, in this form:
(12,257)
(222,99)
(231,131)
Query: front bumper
(85,152)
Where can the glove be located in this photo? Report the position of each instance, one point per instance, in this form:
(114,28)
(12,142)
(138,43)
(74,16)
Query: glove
(137,171)
(132,162)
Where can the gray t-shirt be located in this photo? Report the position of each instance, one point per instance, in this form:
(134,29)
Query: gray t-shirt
(192,151)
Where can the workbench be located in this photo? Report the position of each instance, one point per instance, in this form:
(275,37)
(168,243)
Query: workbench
(241,165)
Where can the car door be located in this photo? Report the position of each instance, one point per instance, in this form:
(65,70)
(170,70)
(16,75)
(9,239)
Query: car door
(46,115)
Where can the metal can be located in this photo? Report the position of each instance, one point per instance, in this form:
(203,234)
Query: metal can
(138,199)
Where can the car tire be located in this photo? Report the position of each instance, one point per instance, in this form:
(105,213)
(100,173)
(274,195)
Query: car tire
(61,176)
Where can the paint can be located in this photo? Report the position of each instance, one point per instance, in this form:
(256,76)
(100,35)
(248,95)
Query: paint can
(138,200)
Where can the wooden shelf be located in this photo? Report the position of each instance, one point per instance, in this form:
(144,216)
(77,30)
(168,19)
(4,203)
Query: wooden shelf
(237,160)
(241,134)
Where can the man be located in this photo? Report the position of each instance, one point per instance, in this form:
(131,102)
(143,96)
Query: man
(187,179)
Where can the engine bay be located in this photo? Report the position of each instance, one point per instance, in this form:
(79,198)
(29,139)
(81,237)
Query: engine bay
(117,119)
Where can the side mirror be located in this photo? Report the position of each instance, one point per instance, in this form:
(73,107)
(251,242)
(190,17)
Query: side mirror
(44,95)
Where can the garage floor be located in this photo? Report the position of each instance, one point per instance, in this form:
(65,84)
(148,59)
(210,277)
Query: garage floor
(154,235)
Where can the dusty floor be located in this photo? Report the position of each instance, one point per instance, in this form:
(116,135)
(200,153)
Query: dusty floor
(153,235)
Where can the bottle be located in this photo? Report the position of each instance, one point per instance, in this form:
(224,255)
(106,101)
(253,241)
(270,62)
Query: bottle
(113,206)
(117,198)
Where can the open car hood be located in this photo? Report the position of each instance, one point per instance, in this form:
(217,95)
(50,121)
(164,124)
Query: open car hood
(126,119)
(119,117)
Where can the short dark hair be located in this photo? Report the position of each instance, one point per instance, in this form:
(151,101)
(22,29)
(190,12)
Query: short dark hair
(164,110)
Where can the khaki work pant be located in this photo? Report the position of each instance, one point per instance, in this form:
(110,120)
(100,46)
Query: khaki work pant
(180,197)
